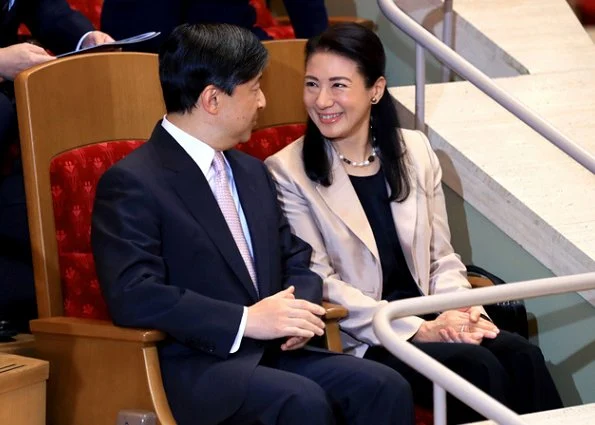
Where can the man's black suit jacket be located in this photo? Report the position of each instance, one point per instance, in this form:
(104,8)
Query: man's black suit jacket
(166,259)
(52,23)
(59,29)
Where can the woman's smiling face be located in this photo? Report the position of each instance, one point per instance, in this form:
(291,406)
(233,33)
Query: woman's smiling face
(336,96)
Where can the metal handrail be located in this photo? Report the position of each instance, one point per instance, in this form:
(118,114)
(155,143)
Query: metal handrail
(469,72)
(447,35)
(443,377)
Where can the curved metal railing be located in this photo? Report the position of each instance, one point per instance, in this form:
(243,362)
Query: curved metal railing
(444,378)
(426,40)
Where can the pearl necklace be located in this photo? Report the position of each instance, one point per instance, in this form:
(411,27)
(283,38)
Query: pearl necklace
(363,163)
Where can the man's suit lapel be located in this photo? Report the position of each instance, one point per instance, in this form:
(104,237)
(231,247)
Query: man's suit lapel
(186,178)
(250,198)
(342,199)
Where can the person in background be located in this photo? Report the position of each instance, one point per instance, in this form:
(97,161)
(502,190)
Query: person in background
(188,238)
(367,196)
(125,18)
(60,29)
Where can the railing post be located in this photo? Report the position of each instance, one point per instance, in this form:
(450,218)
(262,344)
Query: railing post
(426,40)
(440,374)
(447,36)
(439,405)
(420,87)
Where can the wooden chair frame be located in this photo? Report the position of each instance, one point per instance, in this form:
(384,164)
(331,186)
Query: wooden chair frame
(282,83)
(96,368)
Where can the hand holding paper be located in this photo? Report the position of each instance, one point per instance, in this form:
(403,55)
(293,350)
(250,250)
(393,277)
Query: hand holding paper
(96,38)
(102,44)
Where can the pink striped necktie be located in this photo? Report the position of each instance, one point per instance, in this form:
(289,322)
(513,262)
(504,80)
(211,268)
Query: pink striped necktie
(228,208)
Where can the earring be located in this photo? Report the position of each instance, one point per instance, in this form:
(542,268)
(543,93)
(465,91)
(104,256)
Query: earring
(374,100)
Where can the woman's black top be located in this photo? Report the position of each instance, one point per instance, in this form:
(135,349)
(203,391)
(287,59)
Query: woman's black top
(397,282)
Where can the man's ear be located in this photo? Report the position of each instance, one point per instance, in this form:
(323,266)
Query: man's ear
(209,99)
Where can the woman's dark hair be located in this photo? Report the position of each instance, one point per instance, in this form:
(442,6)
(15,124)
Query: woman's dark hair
(195,56)
(363,47)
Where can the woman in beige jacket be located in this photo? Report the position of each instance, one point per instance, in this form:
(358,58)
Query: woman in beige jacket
(367,196)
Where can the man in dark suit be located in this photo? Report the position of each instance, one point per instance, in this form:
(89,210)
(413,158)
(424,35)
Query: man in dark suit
(124,18)
(60,29)
(188,238)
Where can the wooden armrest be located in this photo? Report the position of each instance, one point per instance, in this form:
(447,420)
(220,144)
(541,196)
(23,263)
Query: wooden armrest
(479,282)
(105,368)
(333,20)
(334,311)
(94,329)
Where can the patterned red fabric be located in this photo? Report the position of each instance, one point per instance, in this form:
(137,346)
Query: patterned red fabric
(266,21)
(90,8)
(264,17)
(268,141)
(73,177)
(80,288)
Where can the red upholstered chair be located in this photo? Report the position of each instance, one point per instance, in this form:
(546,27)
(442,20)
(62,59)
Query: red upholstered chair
(73,178)
(77,116)
(279,28)
(68,141)
(282,84)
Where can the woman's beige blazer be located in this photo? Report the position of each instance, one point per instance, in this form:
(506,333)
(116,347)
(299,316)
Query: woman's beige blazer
(332,220)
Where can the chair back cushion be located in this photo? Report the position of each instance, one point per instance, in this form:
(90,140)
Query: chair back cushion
(90,8)
(268,141)
(266,21)
(264,17)
(73,177)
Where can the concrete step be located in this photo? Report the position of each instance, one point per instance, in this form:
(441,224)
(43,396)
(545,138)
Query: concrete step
(544,36)
(511,37)
(575,415)
(522,183)
(530,189)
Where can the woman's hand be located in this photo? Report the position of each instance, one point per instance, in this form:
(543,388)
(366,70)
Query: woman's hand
(461,326)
